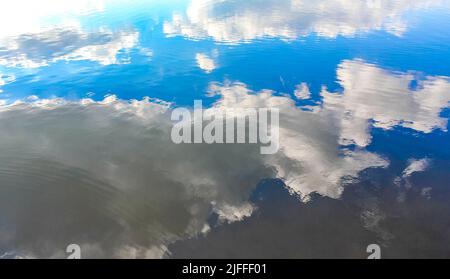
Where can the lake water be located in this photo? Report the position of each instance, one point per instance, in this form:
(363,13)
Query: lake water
(86,157)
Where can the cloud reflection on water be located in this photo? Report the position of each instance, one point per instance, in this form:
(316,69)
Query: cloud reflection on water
(242,21)
(106,175)
(50,31)
(40,49)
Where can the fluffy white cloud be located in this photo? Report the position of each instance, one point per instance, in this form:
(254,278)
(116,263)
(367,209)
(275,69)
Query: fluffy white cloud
(106,54)
(388,99)
(416,166)
(33,50)
(36,33)
(23,16)
(403,182)
(110,179)
(310,158)
(230,214)
(239,21)
(107,176)
(205,62)
(302,91)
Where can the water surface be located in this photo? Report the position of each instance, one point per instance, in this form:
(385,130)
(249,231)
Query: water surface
(87,89)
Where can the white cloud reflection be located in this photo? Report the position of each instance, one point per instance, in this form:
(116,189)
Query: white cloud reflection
(388,99)
(37,33)
(206,63)
(416,166)
(112,181)
(310,159)
(302,91)
(106,175)
(35,50)
(239,21)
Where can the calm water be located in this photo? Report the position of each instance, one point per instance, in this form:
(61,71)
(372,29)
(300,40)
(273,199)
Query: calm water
(87,88)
